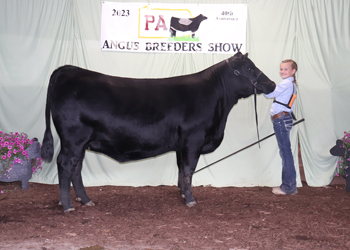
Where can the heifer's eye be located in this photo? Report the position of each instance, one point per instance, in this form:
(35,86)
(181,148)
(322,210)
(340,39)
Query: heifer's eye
(249,69)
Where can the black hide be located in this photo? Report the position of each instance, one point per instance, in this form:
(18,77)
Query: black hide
(130,119)
(185,24)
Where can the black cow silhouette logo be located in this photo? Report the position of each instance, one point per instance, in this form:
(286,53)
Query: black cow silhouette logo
(185,24)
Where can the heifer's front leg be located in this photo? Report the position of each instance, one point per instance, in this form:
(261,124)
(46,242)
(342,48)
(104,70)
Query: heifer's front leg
(189,161)
(80,192)
(180,183)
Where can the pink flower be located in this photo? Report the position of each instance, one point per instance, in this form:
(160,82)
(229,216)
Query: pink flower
(24,152)
(9,147)
(3,157)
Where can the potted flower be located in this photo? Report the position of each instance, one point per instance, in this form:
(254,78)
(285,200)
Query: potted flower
(19,157)
(342,149)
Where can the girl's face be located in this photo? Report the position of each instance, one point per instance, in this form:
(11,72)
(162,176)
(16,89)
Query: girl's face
(286,70)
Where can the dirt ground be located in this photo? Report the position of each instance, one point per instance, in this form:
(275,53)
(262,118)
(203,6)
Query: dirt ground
(151,218)
(156,218)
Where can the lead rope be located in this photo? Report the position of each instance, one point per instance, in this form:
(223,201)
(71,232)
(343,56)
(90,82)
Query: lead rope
(256,116)
(211,164)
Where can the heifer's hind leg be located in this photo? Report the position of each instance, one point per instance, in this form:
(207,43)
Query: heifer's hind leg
(65,170)
(67,162)
(172,32)
(79,189)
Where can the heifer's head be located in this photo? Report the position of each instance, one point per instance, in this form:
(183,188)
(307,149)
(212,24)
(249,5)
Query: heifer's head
(251,77)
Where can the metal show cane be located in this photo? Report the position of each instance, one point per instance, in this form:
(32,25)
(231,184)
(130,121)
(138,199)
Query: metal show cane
(295,123)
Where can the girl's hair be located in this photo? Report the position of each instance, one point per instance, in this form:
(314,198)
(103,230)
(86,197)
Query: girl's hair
(294,66)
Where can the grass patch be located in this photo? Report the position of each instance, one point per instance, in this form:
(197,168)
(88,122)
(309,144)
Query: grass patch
(184,38)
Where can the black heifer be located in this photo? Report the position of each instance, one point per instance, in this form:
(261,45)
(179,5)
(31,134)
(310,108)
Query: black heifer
(130,119)
(185,24)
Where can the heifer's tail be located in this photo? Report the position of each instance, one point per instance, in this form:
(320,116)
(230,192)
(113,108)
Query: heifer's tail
(47,148)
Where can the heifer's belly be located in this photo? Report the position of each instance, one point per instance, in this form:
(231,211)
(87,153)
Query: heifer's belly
(211,144)
(129,151)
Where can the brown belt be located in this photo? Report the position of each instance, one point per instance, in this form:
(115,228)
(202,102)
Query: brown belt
(279,115)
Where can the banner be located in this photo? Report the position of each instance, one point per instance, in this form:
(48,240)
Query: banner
(173,28)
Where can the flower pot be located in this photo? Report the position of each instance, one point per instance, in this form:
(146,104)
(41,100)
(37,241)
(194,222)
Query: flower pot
(19,172)
(22,171)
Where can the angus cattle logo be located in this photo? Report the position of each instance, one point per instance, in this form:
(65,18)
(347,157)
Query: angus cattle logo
(173,28)
(185,24)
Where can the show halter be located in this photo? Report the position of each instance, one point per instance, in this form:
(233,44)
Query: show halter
(253,81)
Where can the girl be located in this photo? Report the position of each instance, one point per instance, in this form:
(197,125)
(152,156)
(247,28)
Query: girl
(281,116)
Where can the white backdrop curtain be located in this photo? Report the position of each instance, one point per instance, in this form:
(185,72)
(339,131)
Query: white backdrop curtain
(38,36)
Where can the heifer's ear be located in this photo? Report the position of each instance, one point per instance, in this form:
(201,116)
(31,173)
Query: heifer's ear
(238,54)
(236,60)
(246,55)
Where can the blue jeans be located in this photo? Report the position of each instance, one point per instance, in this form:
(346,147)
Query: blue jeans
(282,127)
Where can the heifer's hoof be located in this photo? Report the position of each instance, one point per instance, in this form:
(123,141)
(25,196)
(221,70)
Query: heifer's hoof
(191,204)
(90,204)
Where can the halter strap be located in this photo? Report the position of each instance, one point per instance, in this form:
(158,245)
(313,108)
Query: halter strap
(253,82)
